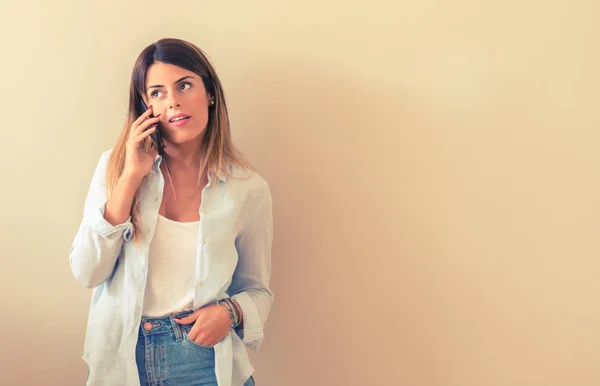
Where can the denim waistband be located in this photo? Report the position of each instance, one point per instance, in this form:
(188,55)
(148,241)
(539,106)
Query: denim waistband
(161,325)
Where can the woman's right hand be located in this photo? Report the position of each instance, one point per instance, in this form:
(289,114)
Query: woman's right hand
(139,157)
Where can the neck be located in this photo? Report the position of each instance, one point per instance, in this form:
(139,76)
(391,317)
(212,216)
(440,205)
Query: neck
(184,155)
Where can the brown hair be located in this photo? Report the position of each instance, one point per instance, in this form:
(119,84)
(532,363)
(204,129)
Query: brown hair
(217,149)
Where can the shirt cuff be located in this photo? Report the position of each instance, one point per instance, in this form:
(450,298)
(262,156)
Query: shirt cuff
(105,229)
(252,331)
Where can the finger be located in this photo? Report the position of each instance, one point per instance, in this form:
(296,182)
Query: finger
(143,117)
(136,130)
(189,334)
(187,319)
(144,135)
(140,121)
(192,334)
(202,341)
(217,341)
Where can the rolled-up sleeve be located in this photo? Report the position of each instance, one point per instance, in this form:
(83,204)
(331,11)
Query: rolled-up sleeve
(98,243)
(250,284)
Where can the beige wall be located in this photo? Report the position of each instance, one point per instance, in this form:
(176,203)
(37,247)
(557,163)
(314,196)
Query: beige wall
(433,165)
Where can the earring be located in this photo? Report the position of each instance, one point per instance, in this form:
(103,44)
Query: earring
(212,102)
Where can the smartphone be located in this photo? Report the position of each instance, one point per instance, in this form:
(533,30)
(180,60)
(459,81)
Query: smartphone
(155,137)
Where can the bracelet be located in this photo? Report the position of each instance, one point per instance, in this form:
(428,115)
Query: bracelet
(235,312)
(238,308)
(232,312)
(229,310)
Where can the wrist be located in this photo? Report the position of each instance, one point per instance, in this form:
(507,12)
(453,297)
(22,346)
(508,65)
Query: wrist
(224,314)
(236,305)
(231,310)
(130,177)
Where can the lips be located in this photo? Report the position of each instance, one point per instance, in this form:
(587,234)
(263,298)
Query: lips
(179,118)
(180,122)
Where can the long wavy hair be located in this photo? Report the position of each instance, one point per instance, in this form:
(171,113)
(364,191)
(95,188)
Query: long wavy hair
(217,148)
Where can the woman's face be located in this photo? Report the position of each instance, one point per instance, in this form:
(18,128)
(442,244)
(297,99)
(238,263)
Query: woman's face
(179,94)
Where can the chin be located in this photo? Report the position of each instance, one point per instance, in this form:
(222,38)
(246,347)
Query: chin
(182,137)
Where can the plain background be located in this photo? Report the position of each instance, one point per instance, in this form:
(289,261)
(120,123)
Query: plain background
(433,166)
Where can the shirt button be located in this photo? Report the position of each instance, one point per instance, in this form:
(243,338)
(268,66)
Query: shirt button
(201,242)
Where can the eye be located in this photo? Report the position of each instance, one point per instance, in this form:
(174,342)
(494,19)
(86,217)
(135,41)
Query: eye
(184,84)
(154,94)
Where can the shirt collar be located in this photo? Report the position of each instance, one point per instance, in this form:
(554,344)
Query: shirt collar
(157,160)
(222,175)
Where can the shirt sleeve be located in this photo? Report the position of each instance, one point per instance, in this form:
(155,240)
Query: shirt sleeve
(250,283)
(98,243)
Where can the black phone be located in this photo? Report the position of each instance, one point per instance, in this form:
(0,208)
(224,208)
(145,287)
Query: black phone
(156,137)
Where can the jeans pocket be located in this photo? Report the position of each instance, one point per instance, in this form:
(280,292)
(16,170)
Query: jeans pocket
(186,338)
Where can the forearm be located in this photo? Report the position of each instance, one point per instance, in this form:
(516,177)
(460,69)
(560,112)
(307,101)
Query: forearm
(234,311)
(96,246)
(250,283)
(255,306)
(118,207)
(98,242)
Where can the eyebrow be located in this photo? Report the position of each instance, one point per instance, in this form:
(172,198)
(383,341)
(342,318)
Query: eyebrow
(177,81)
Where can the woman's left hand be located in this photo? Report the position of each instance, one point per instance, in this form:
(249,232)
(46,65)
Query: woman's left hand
(211,324)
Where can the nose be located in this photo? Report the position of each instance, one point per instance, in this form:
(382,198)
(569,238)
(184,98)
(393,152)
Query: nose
(172,101)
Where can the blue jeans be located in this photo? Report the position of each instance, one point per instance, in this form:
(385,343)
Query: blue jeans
(166,356)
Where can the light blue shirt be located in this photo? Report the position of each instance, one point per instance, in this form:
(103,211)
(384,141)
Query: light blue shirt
(234,249)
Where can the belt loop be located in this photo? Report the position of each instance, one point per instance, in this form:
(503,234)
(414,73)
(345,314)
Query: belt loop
(176,329)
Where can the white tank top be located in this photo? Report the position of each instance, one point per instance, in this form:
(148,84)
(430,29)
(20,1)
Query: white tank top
(171,268)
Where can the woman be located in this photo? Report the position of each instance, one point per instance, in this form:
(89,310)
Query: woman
(176,236)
